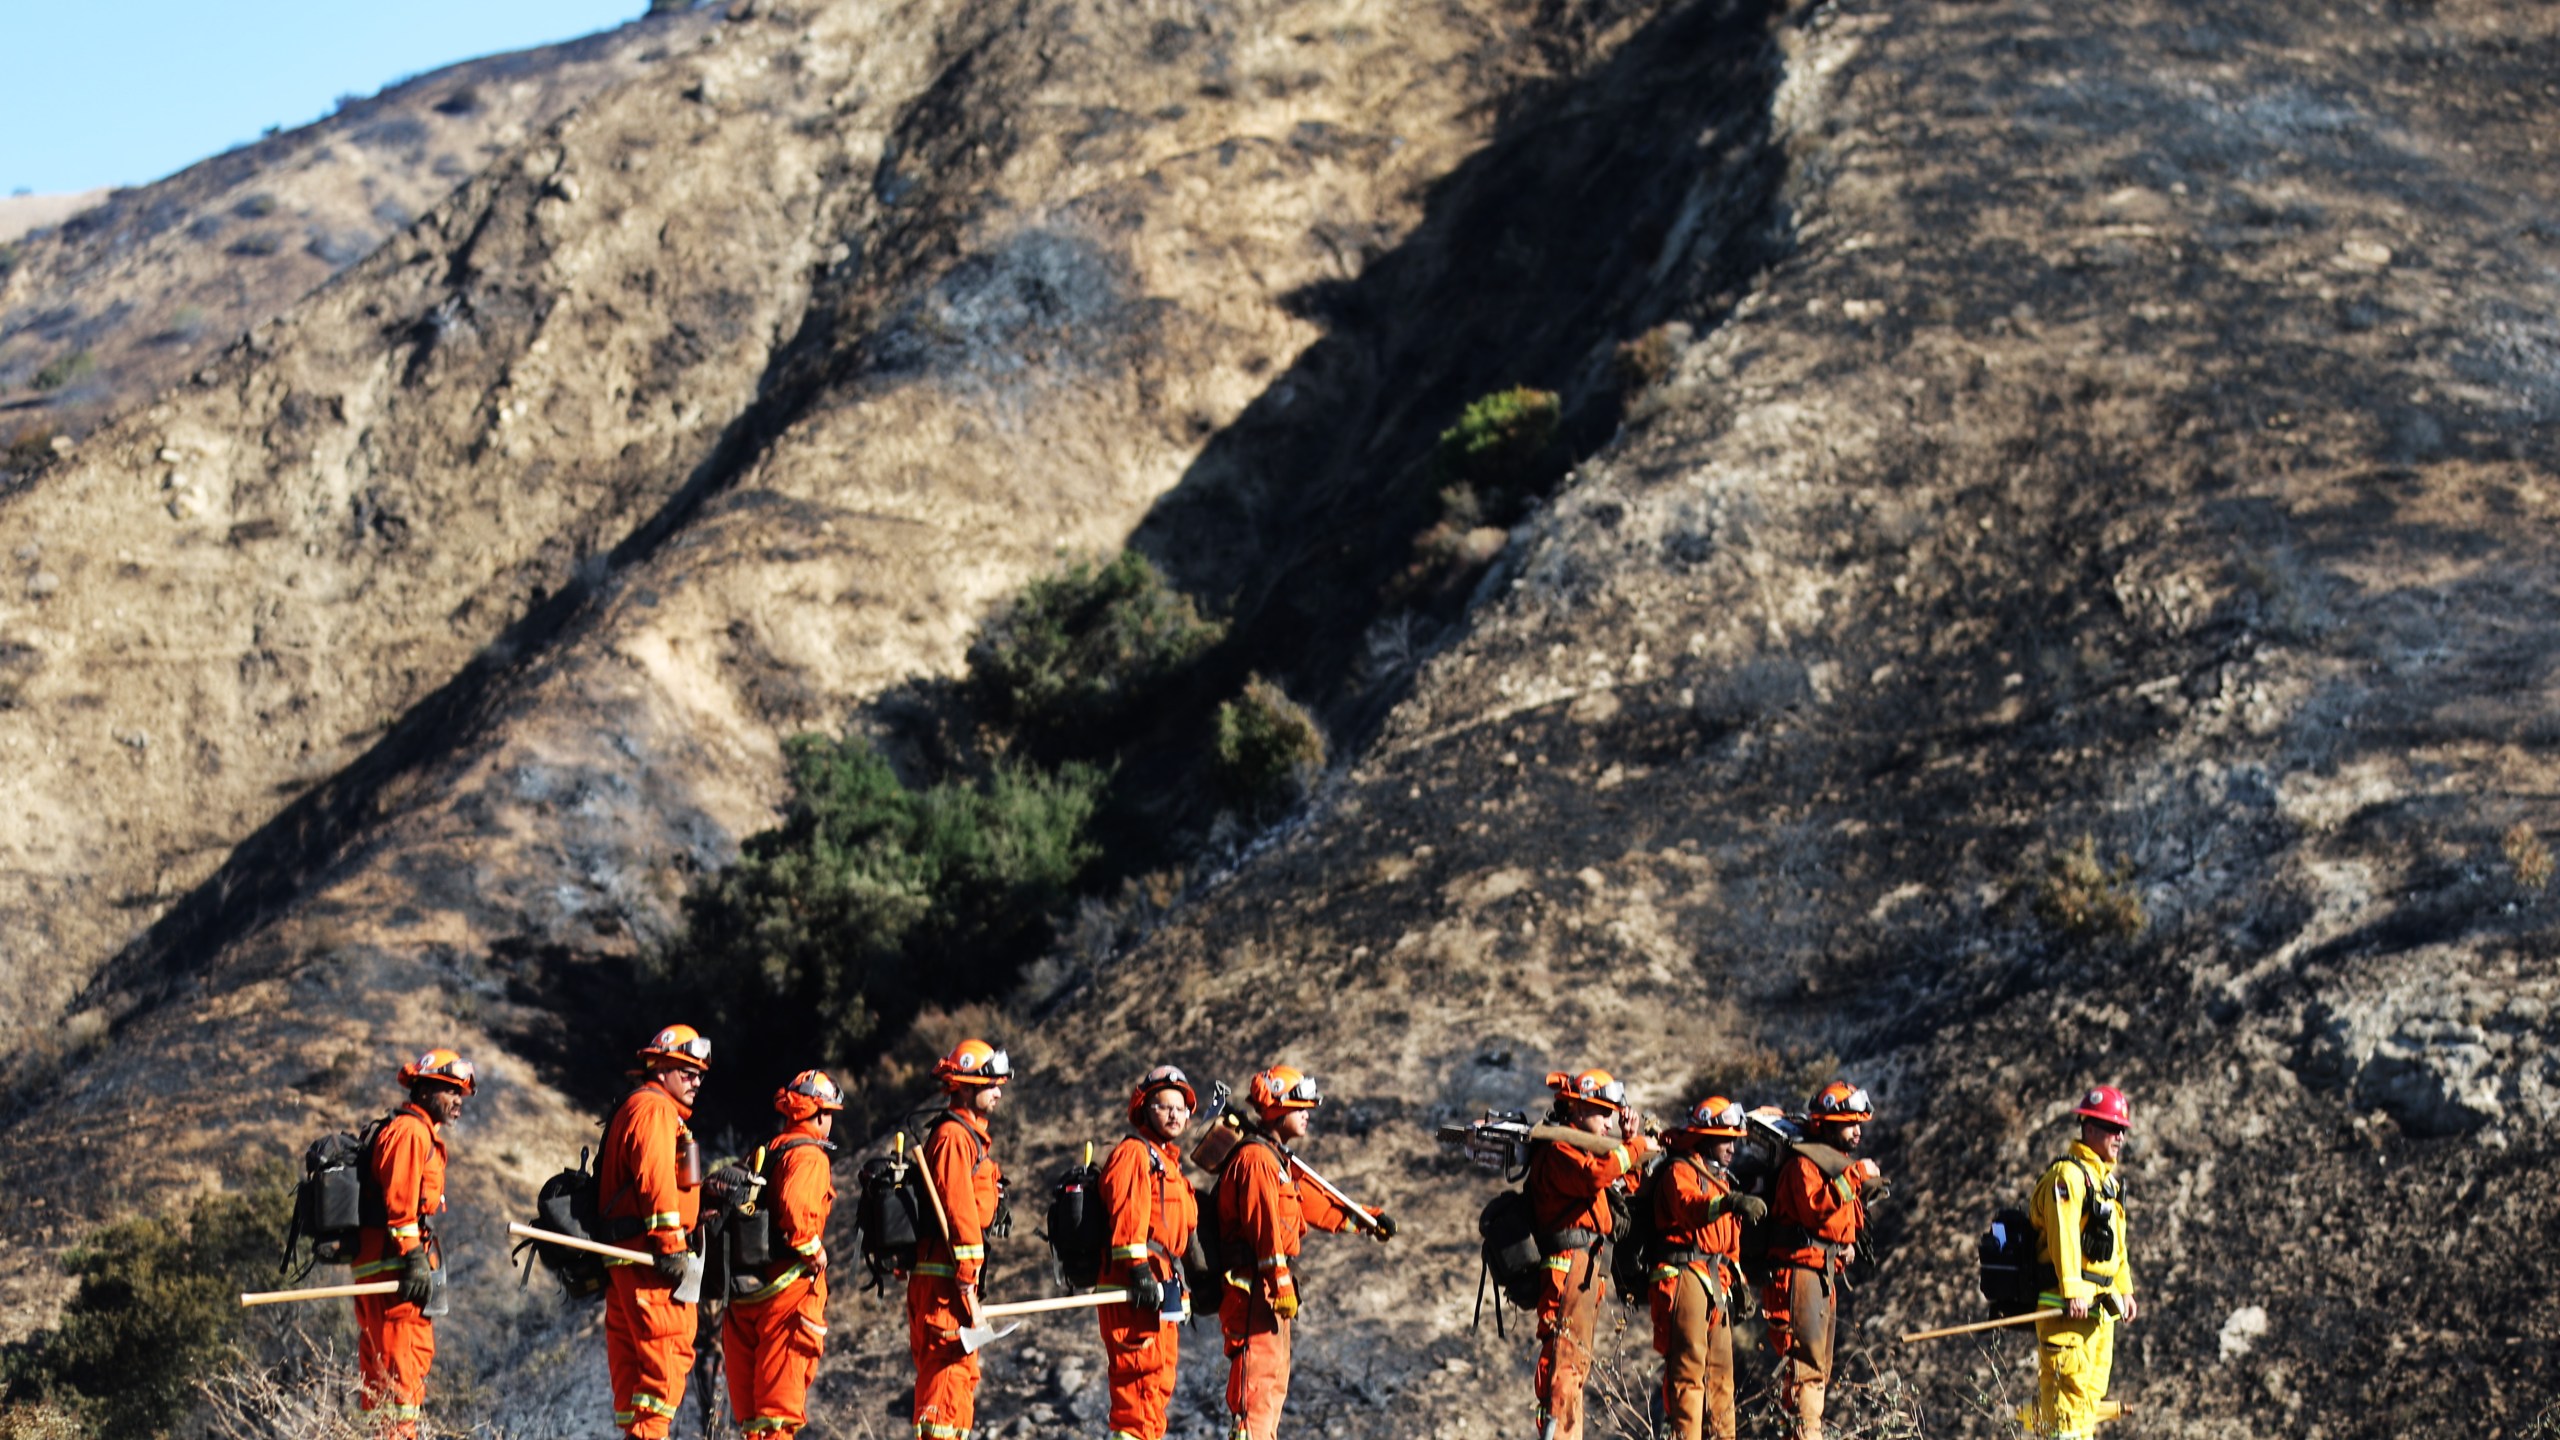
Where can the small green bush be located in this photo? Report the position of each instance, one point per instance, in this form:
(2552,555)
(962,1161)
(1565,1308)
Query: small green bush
(1267,749)
(1500,446)
(1075,656)
(2084,899)
(871,899)
(155,1311)
(64,369)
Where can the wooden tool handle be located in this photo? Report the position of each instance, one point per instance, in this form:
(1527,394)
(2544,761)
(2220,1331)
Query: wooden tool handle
(320,1292)
(2027,1319)
(1359,1213)
(1057,1302)
(592,1247)
(1578,1139)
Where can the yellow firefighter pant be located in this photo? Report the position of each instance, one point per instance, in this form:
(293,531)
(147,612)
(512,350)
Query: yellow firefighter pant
(2073,1360)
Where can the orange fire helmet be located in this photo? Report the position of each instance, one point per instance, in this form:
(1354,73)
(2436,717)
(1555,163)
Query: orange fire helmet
(973,1062)
(440,1067)
(1715,1118)
(1841,1103)
(811,1092)
(681,1046)
(1281,1089)
(2106,1105)
(1596,1088)
(1163,1077)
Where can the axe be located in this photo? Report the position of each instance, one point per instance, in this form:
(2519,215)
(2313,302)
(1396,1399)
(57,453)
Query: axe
(688,1290)
(318,1292)
(973,1337)
(1359,1213)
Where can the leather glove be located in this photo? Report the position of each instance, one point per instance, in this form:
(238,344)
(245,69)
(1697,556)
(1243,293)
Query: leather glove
(1751,1208)
(1146,1292)
(1386,1226)
(415,1286)
(1286,1307)
(670,1268)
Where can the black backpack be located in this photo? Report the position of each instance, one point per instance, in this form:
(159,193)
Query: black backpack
(2014,1274)
(891,1211)
(744,1197)
(1513,1259)
(1639,1243)
(334,1200)
(2012,1265)
(1079,1226)
(568,1204)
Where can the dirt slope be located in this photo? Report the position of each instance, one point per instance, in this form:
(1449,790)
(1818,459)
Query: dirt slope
(592,506)
(140,286)
(2146,435)
(2150,438)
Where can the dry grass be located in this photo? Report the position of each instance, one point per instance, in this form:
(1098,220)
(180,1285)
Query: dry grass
(2081,896)
(2528,859)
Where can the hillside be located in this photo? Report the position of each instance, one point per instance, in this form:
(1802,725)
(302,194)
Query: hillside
(104,307)
(2130,428)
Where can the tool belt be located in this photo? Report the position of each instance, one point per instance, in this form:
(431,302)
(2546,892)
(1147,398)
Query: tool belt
(1561,1241)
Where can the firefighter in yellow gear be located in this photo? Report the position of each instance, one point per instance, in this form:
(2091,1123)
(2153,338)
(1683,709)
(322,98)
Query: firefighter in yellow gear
(2078,1210)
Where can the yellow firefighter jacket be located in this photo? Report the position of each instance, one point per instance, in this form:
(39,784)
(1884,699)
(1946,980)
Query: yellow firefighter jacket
(2071,1222)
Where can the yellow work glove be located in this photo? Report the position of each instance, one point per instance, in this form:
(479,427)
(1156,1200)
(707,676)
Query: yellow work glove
(1285,1306)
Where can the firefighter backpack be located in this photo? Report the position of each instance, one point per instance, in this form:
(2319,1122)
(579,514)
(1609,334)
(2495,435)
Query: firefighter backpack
(1639,1242)
(568,1204)
(1079,1225)
(745,1196)
(2010,1254)
(334,1200)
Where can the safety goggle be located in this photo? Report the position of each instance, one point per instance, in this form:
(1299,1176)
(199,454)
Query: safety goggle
(1303,1093)
(1162,1077)
(1728,1118)
(997,1066)
(818,1087)
(1858,1101)
(456,1070)
(697,1048)
(1613,1093)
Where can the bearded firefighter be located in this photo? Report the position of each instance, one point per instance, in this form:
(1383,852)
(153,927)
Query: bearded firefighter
(774,1332)
(1697,1279)
(1263,1214)
(650,1175)
(1153,1213)
(2078,1210)
(404,1170)
(942,1290)
(1821,1205)
(1569,1189)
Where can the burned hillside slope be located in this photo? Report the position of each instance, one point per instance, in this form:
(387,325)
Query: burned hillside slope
(129,296)
(2148,452)
(1025,269)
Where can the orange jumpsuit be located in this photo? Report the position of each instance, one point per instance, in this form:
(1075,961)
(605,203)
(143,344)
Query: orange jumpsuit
(1569,1199)
(772,1335)
(648,1333)
(394,1343)
(1153,1213)
(960,1154)
(1693,1296)
(1819,1201)
(1262,1217)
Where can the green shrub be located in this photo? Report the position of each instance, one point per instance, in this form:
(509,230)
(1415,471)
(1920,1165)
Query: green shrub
(871,899)
(63,369)
(1501,446)
(1267,749)
(155,1311)
(2084,899)
(1071,659)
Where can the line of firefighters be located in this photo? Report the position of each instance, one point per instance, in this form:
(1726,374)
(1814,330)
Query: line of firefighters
(775,1326)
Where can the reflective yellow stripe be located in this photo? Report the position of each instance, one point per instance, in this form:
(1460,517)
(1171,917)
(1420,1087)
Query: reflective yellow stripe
(765,1425)
(663,1220)
(1559,1262)
(770,1288)
(932,1431)
(945,1271)
(377,1267)
(968,1252)
(653,1405)
(624,1418)
(405,1232)
(807,1247)
(1625,1161)
(1272,1262)
(1130,1252)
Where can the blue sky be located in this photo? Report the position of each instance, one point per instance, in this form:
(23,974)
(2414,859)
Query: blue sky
(122,92)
